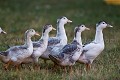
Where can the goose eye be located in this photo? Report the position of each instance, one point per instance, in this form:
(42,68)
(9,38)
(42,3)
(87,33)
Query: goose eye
(32,31)
(103,23)
(82,26)
(64,18)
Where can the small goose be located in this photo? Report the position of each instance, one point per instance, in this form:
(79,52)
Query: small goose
(40,46)
(59,41)
(1,31)
(70,53)
(16,54)
(93,49)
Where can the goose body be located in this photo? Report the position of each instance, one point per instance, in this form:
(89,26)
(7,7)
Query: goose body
(93,49)
(70,53)
(57,43)
(16,54)
(40,46)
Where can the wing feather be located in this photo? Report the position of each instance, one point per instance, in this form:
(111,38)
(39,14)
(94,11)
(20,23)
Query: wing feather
(53,41)
(36,44)
(69,48)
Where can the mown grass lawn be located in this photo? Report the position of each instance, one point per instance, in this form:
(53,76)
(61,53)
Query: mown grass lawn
(16,16)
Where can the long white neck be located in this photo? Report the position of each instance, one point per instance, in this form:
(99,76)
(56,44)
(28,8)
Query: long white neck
(99,36)
(28,42)
(77,37)
(45,37)
(61,30)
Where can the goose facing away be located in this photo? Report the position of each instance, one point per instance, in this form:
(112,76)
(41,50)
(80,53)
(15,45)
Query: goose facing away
(1,31)
(70,53)
(59,41)
(40,46)
(16,54)
(93,49)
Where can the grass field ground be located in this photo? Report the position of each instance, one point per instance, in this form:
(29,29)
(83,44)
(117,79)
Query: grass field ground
(16,16)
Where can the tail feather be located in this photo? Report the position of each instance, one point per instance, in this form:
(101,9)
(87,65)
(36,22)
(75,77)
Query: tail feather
(54,59)
(4,53)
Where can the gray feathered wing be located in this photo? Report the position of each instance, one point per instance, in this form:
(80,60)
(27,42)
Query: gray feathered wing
(67,51)
(53,41)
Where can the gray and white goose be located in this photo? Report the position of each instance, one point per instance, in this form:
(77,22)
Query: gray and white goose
(40,46)
(70,53)
(59,41)
(2,31)
(93,49)
(16,54)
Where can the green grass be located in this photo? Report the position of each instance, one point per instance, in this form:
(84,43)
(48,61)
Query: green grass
(16,16)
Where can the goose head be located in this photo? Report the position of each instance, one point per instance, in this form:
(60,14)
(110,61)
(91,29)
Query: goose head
(47,28)
(63,20)
(31,32)
(102,25)
(1,31)
(81,28)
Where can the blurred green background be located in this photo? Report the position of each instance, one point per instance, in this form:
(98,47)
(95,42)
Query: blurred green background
(16,16)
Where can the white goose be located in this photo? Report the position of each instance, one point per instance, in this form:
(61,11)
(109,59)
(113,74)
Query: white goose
(70,53)
(1,31)
(40,46)
(93,49)
(59,41)
(16,54)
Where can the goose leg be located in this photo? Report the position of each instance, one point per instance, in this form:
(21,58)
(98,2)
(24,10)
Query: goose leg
(7,65)
(36,66)
(55,65)
(45,61)
(17,67)
(71,69)
(65,70)
(21,65)
(88,66)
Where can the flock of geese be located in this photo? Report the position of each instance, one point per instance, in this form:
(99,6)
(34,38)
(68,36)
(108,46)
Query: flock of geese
(56,48)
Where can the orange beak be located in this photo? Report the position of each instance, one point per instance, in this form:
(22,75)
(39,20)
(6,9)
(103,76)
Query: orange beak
(37,34)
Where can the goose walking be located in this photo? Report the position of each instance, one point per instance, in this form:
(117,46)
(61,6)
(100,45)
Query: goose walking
(59,41)
(40,46)
(16,54)
(93,49)
(70,53)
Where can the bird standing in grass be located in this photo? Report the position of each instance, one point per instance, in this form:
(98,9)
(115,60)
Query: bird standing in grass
(93,49)
(16,54)
(70,53)
(40,46)
(57,43)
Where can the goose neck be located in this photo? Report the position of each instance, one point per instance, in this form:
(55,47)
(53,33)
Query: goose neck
(28,41)
(77,37)
(99,36)
(61,30)
(45,36)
